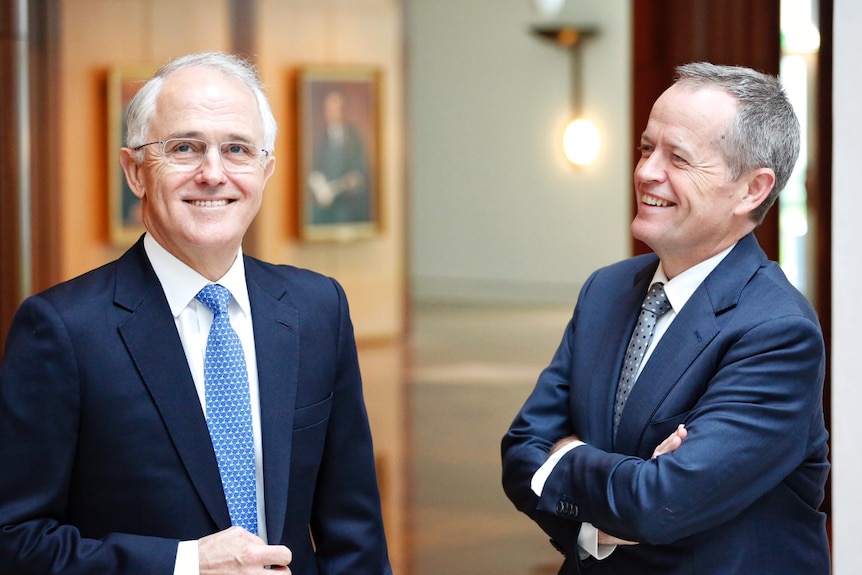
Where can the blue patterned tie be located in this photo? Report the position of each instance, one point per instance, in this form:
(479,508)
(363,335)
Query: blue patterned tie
(654,306)
(229,410)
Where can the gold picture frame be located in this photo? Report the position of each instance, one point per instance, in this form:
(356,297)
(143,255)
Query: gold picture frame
(338,142)
(125,224)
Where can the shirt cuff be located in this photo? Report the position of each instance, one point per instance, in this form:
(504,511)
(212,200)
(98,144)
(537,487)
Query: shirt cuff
(537,484)
(187,562)
(588,543)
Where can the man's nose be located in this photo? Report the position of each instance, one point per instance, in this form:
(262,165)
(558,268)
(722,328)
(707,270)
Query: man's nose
(652,168)
(212,168)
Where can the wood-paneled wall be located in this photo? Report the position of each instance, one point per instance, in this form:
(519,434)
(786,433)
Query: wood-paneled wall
(10,281)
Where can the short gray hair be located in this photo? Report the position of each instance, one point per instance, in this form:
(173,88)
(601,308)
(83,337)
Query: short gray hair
(140,110)
(765,131)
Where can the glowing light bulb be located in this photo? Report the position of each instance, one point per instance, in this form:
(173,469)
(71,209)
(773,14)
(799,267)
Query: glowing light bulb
(581,142)
(548,7)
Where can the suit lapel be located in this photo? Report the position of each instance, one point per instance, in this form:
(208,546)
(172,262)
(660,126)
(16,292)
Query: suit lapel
(694,327)
(151,337)
(276,337)
(609,352)
(688,335)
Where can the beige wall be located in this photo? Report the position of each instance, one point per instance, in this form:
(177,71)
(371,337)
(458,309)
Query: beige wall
(98,35)
(496,212)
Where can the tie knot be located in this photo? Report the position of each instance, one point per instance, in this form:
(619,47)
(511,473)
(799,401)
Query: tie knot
(215,297)
(656,299)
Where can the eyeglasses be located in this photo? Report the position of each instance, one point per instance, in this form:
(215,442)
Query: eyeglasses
(188,154)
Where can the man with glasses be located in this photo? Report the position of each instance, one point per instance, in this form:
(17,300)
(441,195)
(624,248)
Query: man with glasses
(188,409)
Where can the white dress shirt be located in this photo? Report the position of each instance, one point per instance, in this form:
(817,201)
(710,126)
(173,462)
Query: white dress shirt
(193,320)
(678,291)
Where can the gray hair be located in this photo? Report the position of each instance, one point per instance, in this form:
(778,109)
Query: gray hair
(765,131)
(140,110)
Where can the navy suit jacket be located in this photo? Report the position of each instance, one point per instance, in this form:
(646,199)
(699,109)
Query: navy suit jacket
(108,459)
(742,365)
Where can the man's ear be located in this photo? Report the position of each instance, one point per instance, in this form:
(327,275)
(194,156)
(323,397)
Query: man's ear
(268,168)
(133,171)
(760,184)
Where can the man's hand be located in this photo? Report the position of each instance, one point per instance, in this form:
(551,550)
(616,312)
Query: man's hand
(672,442)
(235,551)
(605,539)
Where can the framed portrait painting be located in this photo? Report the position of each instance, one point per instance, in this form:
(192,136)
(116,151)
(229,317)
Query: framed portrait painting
(338,123)
(124,207)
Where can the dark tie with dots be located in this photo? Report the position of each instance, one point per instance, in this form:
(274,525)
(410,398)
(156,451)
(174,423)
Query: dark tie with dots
(229,410)
(654,305)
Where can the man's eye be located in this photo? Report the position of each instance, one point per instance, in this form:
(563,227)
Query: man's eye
(183,147)
(236,150)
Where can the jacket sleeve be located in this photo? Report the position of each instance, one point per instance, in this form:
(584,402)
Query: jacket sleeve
(39,425)
(346,522)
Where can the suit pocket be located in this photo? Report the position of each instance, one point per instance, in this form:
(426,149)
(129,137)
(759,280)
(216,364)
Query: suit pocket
(658,431)
(311,415)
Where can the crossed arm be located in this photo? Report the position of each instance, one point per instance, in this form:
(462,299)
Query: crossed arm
(671,443)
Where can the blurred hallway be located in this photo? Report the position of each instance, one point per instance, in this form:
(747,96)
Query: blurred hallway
(469,369)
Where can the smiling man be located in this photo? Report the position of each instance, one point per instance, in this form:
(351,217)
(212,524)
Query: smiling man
(679,427)
(187,408)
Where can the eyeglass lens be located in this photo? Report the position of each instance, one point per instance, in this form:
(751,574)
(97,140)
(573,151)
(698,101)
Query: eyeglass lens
(189,154)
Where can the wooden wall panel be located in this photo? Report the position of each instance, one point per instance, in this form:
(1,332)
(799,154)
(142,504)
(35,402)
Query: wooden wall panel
(9,173)
(295,33)
(820,205)
(45,101)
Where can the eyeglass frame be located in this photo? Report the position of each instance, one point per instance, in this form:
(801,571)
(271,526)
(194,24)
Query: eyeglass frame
(262,152)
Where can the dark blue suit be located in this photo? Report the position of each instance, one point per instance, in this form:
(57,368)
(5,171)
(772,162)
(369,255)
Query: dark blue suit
(742,365)
(108,458)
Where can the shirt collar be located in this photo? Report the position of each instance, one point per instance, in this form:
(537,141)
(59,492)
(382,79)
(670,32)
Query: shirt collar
(181,283)
(683,286)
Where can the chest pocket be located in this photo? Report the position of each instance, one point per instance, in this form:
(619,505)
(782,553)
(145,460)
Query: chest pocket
(313,414)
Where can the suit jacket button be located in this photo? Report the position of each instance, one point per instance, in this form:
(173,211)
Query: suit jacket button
(566,508)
